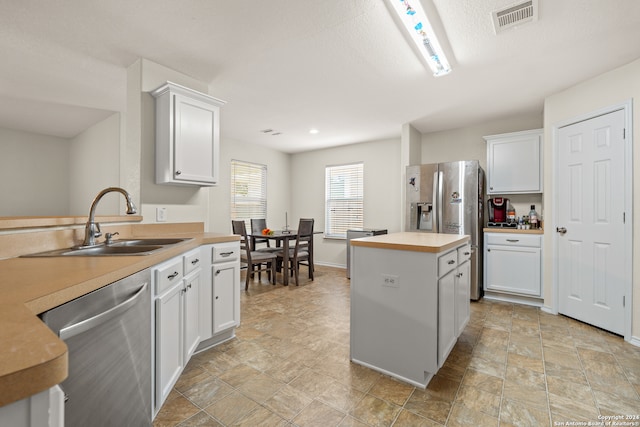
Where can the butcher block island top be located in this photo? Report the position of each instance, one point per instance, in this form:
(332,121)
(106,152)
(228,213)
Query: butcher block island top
(413,241)
(32,357)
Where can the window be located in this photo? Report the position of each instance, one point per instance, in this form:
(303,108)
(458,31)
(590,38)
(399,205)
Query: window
(344,199)
(248,191)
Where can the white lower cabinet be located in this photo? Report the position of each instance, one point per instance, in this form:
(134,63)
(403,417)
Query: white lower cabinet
(177,331)
(197,305)
(513,264)
(45,409)
(454,271)
(463,296)
(447,331)
(226,296)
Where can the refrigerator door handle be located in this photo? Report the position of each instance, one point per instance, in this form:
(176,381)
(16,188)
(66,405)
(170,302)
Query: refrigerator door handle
(439,196)
(436,204)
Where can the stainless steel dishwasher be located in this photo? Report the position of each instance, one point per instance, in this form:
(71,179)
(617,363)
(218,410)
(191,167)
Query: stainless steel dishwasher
(108,333)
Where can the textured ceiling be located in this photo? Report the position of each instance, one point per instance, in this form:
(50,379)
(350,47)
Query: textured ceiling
(342,67)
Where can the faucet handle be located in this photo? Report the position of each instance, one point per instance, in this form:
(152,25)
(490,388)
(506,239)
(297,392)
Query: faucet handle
(96,230)
(109,236)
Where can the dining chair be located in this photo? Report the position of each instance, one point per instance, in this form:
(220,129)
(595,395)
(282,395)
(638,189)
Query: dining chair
(264,261)
(257,225)
(301,253)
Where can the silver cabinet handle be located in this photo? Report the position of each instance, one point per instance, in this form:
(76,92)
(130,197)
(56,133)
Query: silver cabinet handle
(467,253)
(513,240)
(98,319)
(173,276)
(451,262)
(178,172)
(195,261)
(561,230)
(226,254)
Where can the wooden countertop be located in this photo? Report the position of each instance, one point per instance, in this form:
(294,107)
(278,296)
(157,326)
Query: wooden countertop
(512,230)
(412,241)
(32,357)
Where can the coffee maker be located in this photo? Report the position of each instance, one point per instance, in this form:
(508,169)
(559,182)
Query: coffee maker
(498,210)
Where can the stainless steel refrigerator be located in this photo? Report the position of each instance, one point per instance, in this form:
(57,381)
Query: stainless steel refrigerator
(448,198)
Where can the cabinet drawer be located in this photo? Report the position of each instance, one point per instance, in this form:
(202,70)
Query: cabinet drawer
(464,253)
(192,260)
(506,239)
(168,274)
(447,262)
(225,252)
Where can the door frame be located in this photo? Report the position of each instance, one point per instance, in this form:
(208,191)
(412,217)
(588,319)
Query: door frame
(627,107)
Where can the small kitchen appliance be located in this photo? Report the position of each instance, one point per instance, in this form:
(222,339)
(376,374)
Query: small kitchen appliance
(498,209)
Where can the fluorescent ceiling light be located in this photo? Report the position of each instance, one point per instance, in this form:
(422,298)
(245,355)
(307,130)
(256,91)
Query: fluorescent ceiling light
(420,31)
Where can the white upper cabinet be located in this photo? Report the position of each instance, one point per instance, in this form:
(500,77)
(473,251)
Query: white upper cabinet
(187,136)
(514,162)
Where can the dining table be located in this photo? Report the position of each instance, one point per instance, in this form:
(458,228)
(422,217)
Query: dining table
(281,238)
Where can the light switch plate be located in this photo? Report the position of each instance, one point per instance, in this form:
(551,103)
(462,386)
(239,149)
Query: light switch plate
(161,214)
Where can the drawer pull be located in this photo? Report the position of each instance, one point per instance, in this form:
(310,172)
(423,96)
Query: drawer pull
(451,262)
(226,254)
(513,240)
(467,253)
(195,261)
(173,276)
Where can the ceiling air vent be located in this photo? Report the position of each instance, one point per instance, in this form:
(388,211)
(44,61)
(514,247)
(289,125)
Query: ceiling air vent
(515,15)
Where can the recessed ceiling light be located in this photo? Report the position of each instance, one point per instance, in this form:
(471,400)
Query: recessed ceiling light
(314,131)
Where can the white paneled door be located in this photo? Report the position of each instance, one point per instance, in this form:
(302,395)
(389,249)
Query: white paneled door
(591,216)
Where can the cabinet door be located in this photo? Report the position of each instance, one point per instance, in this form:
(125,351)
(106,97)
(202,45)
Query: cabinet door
(196,140)
(226,296)
(446,316)
(191,296)
(514,163)
(463,296)
(513,269)
(169,354)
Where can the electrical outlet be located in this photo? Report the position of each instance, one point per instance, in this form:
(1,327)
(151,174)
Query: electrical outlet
(390,281)
(161,214)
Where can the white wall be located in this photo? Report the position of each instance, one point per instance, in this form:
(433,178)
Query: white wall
(611,88)
(34,174)
(94,164)
(381,195)
(278,183)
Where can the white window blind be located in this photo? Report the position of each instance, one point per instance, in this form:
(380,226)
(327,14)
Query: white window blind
(248,191)
(344,192)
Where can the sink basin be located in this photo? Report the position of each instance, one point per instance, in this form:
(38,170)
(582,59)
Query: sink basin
(146,242)
(112,250)
(117,248)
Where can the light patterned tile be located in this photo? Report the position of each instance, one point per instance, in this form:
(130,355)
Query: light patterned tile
(319,414)
(375,412)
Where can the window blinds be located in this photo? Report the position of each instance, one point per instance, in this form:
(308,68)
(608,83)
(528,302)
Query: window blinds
(344,199)
(248,191)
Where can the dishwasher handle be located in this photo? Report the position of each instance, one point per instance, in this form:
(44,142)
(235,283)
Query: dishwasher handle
(98,319)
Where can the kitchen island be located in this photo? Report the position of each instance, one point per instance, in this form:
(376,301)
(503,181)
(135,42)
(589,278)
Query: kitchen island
(409,302)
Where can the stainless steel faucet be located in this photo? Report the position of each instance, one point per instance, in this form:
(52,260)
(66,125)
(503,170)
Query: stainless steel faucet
(92,229)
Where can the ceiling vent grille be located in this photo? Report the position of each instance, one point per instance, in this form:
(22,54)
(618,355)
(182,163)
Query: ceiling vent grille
(515,15)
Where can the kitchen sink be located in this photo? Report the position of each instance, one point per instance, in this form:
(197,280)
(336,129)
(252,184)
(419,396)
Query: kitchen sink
(116,248)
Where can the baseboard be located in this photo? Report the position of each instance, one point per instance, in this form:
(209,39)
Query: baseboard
(547,309)
(328,264)
(516,299)
(634,341)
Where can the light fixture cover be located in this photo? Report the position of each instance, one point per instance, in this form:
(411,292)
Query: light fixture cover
(420,31)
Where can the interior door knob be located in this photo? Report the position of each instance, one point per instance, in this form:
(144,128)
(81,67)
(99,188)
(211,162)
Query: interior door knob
(561,230)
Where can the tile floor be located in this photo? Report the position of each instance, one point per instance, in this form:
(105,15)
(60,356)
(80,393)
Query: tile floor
(512,366)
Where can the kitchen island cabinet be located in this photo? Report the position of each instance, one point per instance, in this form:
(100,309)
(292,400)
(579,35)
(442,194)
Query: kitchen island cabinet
(407,306)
